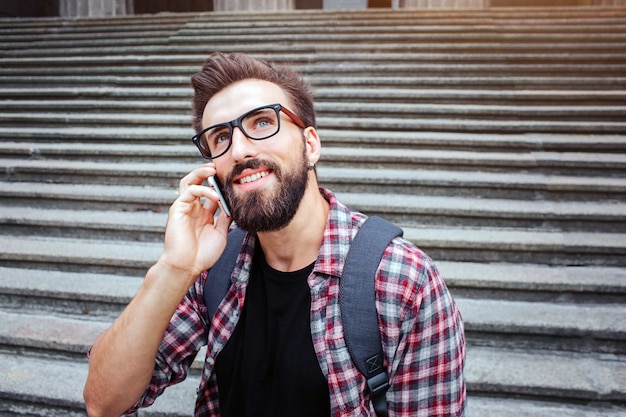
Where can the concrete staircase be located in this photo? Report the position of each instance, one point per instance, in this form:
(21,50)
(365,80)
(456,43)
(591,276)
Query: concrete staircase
(496,138)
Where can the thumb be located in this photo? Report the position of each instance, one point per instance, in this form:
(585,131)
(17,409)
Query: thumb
(223,223)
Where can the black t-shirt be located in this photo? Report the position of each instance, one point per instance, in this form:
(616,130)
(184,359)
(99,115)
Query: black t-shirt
(269,367)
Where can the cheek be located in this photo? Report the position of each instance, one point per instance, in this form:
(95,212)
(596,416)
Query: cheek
(222,170)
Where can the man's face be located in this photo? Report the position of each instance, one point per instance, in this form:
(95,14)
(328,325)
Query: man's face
(264,181)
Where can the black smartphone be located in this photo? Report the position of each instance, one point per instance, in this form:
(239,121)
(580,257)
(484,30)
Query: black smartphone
(214,183)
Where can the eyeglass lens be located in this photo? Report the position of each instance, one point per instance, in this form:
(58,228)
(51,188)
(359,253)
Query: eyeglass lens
(258,124)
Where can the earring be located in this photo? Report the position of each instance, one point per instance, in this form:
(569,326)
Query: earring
(311,165)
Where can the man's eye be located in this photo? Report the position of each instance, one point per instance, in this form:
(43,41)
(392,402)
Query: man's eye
(218,138)
(263,123)
(223,137)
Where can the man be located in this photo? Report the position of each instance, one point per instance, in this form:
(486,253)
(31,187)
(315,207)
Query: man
(275,344)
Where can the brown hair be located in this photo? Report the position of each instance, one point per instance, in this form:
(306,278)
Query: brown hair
(221,70)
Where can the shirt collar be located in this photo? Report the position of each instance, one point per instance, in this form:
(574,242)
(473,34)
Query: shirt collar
(341,226)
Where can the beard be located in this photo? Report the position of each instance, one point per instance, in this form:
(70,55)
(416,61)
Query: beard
(268,210)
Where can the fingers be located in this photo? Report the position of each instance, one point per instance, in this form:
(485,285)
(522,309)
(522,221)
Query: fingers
(223,223)
(197,176)
(194,192)
(191,188)
(196,198)
(204,195)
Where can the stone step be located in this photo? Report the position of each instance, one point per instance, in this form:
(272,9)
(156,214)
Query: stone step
(308,57)
(439,122)
(579,96)
(30,386)
(495,245)
(463,120)
(500,324)
(513,185)
(103,296)
(115,225)
(404,22)
(174,45)
(85,97)
(381,25)
(301,26)
(549,326)
(79,39)
(55,214)
(435,69)
(87,196)
(477,123)
(520,111)
(303,53)
(61,30)
(48,335)
(114,113)
(535,282)
(490,213)
(452,45)
(142,99)
(30,383)
(442,243)
(510,185)
(73,295)
(413,39)
(562,163)
(492,142)
(93,43)
(73,255)
(518,407)
(504,142)
(303,58)
(17,30)
(138,76)
(587,163)
(576,378)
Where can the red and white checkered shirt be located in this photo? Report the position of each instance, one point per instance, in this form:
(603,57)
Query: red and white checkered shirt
(421,330)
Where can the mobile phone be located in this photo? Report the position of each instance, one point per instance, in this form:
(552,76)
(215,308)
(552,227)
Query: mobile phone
(214,183)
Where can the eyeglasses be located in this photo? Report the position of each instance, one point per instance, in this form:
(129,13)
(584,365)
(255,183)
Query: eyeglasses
(257,124)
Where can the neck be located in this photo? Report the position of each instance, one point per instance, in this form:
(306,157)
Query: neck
(297,245)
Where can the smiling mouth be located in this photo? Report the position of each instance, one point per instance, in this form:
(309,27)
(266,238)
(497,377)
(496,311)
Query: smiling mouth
(251,178)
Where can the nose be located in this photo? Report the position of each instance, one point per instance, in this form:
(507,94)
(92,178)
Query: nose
(241,147)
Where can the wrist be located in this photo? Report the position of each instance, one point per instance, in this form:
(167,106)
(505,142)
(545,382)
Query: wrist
(170,276)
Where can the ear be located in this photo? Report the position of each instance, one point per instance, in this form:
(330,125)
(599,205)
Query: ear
(313,144)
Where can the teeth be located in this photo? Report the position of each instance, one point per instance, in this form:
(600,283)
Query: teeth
(253,177)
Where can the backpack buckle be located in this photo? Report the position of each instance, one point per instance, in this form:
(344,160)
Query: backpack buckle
(378,384)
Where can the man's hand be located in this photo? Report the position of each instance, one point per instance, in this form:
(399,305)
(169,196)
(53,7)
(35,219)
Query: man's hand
(194,238)
(122,358)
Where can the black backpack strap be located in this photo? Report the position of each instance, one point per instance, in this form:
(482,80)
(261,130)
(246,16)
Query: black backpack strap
(218,281)
(357,297)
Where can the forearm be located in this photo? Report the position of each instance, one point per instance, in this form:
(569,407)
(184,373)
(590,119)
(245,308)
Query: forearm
(122,359)
(429,378)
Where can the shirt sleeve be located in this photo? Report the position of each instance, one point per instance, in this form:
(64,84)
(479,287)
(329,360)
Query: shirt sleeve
(423,336)
(184,337)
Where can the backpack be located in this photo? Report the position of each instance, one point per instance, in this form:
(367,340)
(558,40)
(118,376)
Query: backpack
(357,298)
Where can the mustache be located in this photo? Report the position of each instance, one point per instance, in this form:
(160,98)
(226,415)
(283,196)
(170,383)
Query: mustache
(250,164)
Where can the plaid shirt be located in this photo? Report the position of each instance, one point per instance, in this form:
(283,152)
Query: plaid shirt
(421,330)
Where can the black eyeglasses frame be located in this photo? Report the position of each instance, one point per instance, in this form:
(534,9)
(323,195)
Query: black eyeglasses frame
(277,107)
